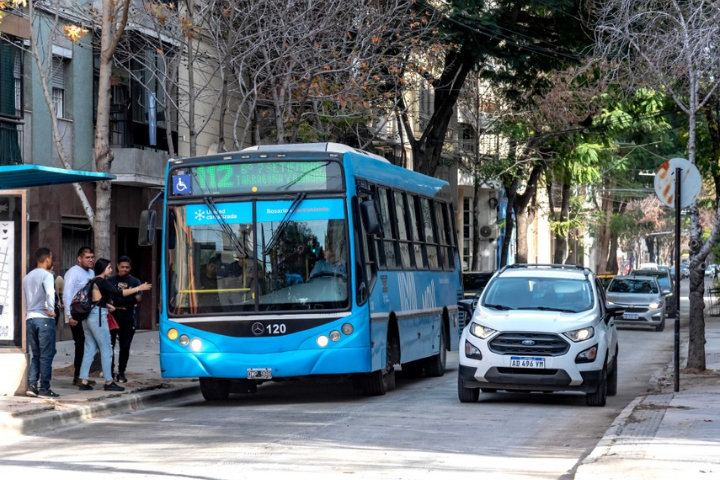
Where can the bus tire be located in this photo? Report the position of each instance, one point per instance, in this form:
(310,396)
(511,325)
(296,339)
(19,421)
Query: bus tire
(375,383)
(435,366)
(214,388)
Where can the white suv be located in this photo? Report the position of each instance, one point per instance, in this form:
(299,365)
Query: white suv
(543,328)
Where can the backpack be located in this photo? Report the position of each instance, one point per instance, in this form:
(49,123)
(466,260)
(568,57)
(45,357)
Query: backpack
(82,303)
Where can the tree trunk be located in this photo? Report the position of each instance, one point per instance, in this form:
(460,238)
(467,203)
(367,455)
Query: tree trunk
(612,265)
(521,215)
(510,193)
(605,233)
(696,333)
(561,241)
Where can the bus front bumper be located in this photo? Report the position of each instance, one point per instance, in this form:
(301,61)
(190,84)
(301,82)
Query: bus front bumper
(284,364)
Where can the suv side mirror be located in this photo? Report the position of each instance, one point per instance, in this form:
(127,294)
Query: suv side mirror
(667,293)
(615,311)
(370,217)
(146,235)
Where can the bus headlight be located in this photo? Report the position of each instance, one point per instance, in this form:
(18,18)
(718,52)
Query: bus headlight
(322,341)
(334,335)
(196,344)
(184,340)
(172,334)
(347,329)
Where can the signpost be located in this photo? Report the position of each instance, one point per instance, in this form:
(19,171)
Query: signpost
(677,185)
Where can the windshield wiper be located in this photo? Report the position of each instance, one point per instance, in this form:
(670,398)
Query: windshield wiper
(227,229)
(498,307)
(283,223)
(548,309)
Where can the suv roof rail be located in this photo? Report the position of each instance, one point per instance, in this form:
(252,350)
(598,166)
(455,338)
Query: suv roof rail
(585,270)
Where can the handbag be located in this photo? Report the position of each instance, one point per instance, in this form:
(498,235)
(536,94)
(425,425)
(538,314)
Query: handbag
(112,323)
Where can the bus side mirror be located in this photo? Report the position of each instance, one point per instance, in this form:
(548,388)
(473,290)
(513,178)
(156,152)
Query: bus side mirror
(370,217)
(146,236)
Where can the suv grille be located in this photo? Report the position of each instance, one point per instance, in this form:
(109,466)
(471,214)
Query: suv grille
(547,344)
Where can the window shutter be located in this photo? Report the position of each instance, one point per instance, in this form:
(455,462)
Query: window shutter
(58,73)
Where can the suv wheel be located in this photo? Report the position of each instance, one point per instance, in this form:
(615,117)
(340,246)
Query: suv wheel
(599,396)
(467,395)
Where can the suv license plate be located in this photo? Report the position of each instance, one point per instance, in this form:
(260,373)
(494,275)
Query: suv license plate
(263,373)
(631,316)
(527,362)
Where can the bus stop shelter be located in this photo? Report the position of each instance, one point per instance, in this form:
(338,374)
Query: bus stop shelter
(14,180)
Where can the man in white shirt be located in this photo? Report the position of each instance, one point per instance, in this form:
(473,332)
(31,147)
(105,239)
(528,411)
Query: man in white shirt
(75,279)
(39,293)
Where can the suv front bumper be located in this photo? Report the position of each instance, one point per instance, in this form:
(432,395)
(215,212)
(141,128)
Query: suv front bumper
(543,380)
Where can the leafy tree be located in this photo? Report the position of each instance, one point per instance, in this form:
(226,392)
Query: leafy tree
(671,46)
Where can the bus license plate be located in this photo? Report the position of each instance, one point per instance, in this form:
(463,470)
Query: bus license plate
(259,373)
(527,362)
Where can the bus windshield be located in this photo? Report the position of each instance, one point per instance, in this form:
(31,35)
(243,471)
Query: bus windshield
(254,256)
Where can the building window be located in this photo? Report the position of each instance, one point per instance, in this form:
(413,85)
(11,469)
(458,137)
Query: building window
(17,74)
(58,86)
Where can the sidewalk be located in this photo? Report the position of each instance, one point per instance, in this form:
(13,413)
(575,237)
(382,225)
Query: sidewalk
(666,435)
(145,386)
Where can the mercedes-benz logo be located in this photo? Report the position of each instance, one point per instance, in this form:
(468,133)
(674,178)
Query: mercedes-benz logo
(528,342)
(257,328)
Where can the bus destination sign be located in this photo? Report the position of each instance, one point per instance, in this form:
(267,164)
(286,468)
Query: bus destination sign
(258,177)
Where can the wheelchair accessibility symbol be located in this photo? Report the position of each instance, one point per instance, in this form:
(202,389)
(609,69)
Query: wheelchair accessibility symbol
(181,185)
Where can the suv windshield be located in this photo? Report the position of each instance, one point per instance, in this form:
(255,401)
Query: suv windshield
(224,265)
(538,293)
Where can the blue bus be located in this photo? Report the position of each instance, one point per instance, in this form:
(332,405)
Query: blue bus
(304,260)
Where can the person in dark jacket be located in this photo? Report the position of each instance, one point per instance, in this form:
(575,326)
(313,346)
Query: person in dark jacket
(97,333)
(125,315)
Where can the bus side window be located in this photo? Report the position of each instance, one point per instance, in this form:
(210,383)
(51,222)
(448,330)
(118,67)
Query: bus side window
(365,266)
(449,237)
(403,234)
(414,214)
(387,243)
(428,219)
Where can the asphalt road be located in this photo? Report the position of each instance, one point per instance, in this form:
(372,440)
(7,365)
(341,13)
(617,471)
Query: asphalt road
(299,430)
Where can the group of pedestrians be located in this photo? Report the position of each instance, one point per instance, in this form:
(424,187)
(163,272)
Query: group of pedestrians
(117,294)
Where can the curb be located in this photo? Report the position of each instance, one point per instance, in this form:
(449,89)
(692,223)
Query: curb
(73,414)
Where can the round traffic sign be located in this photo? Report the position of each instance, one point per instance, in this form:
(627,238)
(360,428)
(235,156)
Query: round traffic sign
(691,182)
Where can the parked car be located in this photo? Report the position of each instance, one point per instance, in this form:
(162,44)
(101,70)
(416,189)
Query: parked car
(684,271)
(540,328)
(711,270)
(670,270)
(648,266)
(667,287)
(642,299)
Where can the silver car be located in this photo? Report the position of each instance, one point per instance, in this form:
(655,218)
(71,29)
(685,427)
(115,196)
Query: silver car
(642,299)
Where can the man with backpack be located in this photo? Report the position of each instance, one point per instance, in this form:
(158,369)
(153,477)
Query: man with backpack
(39,292)
(75,279)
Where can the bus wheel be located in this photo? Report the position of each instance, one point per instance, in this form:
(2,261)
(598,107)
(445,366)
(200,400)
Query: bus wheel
(214,388)
(435,366)
(375,383)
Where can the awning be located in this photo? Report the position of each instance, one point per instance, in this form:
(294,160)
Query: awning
(24,176)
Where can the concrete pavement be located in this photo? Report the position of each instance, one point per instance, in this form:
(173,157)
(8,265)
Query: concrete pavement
(25,415)
(666,435)
(659,435)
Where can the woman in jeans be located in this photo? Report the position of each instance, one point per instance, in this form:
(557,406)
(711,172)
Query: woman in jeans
(97,333)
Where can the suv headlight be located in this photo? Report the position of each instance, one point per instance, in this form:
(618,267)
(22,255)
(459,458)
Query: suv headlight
(580,334)
(654,305)
(480,331)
